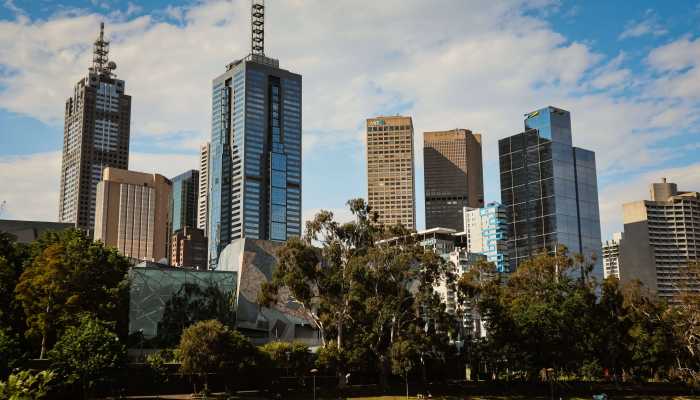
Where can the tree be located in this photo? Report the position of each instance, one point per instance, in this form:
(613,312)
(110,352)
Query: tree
(10,352)
(26,385)
(362,291)
(613,324)
(403,359)
(686,317)
(88,354)
(208,346)
(13,256)
(541,317)
(70,274)
(294,357)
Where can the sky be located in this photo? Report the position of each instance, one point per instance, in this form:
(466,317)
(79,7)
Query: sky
(629,73)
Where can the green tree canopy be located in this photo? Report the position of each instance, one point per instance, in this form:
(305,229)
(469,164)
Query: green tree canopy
(70,274)
(88,353)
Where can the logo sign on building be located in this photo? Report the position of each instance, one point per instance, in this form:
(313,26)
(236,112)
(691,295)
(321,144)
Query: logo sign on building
(377,122)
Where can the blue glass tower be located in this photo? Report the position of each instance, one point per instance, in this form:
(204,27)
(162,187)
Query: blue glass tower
(549,190)
(255,155)
(183,202)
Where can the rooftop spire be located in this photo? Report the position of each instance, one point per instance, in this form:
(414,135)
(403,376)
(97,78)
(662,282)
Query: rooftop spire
(257,27)
(100,57)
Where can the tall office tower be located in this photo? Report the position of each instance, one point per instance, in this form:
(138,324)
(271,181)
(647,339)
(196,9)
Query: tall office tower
(390,173)
(486,230)
(662,236)
(133,212)
(183,202)
(453,176)
(611,256)
(255,154)
(549,190)
(95,136)
(203,197)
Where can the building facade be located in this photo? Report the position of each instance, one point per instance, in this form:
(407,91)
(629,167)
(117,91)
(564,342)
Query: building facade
(390,170)
(453,173)
(183,203)
(662,236)
(549,190)
(203,194)
(486,230)
(133,212)
(95,136)
(611,256)
(255,151)
(188,248)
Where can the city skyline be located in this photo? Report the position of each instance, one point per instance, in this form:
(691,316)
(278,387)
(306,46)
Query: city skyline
(612,138)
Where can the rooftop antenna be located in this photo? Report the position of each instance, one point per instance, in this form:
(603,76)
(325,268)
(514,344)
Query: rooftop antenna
(257,27)
(100,58)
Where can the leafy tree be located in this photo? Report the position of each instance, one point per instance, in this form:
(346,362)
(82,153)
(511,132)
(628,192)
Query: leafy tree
(70,274)
(541,317)
(363,292)
(686,317)
(613,324)
(10,352)
(294,357)
(26,385)
(208,346)
(13,256)
(403,359)
(88,353)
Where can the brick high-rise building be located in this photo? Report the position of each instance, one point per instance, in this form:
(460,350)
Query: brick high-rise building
(133,212)
(188,248)
(96,136)
(390,171)
(453,174)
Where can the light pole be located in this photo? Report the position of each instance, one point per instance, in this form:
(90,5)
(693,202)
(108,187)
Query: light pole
(314,372)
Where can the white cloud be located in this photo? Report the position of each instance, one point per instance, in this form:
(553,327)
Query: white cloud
(647,26)
(30,184)
(614,195)
(679,64)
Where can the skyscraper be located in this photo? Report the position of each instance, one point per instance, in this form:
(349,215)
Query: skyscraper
(453,176)
(662,236)
(132,213)
(611,256)
(203,196)
(390,173)
(255,153)
(486,230)
(549,190)
(183,203)
(95,136)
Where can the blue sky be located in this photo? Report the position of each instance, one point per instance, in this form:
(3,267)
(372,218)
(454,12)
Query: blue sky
(629,73)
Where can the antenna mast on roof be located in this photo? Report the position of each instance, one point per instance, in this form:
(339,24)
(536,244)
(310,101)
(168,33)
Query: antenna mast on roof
(257,27)
(100,59)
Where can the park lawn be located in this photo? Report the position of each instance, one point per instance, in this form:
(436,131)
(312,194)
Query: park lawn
(524,397)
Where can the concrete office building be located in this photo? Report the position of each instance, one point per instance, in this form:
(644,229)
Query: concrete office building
(662,236)
(183,202)
(203,194)
(390,171)
(133,212)
(452,169)
(96,135)
(611,256)
(549,190)
(188,248)
(486,231)
(255,153)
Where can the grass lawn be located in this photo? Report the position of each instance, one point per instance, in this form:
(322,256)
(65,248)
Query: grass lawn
(526,397)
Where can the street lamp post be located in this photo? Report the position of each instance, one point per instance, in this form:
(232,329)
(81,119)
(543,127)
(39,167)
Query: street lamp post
(314,372)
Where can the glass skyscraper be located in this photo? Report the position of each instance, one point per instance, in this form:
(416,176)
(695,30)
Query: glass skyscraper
(549,190)
(183,203)
(255,154)
(486,230)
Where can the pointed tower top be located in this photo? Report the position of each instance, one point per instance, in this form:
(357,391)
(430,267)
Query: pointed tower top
(257,27)
(100,57)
